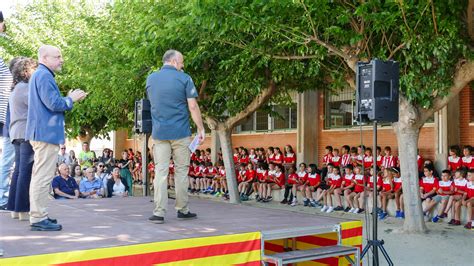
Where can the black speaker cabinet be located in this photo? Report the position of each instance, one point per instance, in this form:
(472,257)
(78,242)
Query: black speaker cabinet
(377,84)
(142,123)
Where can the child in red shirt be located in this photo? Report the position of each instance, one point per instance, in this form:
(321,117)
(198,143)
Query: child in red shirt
(454,161)
(368,160)
(313,183)
(460,183)
(445,190)
(336,159)
(345,157)
(243,179)
(397,190)
(387,192)
(334,183)
(468,199)
(301,186)
(275,181)
(347,187)
(428,188)
(357,196)
(468,160)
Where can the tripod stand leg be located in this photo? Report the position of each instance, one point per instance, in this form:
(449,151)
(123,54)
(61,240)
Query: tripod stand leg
(385,254)
(367,247)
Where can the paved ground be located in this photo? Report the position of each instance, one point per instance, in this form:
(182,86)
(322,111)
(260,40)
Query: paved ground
(123,221)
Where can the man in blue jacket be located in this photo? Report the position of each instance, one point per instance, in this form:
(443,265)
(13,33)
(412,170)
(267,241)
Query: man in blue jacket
(45,131)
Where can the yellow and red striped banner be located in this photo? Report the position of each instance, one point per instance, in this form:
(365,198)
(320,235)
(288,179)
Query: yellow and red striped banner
(238,249)
(351,235)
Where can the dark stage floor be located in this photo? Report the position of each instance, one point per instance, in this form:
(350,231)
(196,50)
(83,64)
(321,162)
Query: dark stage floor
(89,224)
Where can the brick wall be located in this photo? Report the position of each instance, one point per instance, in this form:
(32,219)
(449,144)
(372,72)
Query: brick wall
(466,116)
(275,139)
(385,137)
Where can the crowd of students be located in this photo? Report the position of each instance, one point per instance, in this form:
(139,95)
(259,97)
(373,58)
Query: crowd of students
(347,173)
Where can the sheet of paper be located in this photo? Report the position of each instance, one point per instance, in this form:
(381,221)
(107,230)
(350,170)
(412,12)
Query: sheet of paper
(194,144)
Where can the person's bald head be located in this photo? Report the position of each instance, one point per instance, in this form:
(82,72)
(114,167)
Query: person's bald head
(51,57)
(63,170)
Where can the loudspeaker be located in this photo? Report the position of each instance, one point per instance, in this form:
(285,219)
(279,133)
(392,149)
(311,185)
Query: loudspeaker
(142,123)
(377,85)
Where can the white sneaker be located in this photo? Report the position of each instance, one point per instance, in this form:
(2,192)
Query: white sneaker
(356,210)
(330,209)
(324,208)
(293,203)
(351,210)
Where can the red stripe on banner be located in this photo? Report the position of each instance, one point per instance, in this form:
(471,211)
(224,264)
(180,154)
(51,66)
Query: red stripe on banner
(319,241)
(273,247)
(351,232)
(250,263)
(174,255)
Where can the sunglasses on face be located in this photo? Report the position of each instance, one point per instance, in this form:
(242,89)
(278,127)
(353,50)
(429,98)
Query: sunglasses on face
(100,165)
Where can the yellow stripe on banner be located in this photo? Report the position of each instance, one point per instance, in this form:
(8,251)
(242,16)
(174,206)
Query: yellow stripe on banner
(101,253)
(350,225)
(352,241)
(331,236)
(230,259)
(311,263)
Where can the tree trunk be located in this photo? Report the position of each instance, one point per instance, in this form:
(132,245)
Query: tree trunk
(408,133)
(225,137)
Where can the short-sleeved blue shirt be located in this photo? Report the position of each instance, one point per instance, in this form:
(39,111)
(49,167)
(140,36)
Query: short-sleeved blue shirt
(168,91)
(67,186)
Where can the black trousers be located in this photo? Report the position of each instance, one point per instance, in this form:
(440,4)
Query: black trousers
(19,199)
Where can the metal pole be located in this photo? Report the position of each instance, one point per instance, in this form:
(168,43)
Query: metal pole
(144,165)
(375,256)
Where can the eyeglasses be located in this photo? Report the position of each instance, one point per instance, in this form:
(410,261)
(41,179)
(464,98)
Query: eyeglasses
(100,165)
(63,148)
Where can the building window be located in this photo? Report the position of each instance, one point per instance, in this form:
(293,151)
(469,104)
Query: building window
(262,121)
(339,107)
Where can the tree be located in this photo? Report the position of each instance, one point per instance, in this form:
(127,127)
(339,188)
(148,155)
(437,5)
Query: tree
(427,38)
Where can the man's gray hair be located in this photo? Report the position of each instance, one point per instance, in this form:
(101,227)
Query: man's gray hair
(170,55)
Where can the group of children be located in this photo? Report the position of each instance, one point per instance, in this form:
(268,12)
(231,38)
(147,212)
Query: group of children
(348,174)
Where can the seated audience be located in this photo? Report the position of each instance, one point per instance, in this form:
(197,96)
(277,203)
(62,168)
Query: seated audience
(91,187)
(64,186)
(117,186)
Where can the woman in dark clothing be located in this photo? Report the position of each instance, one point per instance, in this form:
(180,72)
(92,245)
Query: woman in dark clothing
(18,201)
(117,186)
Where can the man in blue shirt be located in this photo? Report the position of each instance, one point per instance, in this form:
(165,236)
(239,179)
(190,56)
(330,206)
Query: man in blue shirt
(172,96)
(91,187)
(64,186)
(45,131)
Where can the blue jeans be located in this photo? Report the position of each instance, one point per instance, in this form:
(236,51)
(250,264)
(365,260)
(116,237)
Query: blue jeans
(19,196)
(6,164)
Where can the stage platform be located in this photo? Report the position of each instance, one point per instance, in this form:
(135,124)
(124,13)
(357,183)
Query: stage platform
(117,232)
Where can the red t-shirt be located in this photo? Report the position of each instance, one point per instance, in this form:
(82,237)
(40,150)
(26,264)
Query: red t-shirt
(345,159)
(445,187)
(293,179)
(271,158)
(236,157)
(389,161)
(470,190)
(263,175)
(454,163)
(336,160)
(397,183)
(222,173)
(468,162)
(290,158)
(420,162)
(278,159)
(386,187)
(327,158)
(280,179)
(371,182)
(359,180)
(250,174)
(368,161)
(244,159)
(335,180)
(242,176)
(460,185)
(348,180)
(428,184)
(303,176)
(211,172)
(171,169)
(379,160)
(314,179)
